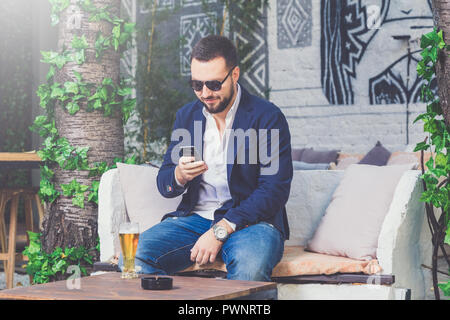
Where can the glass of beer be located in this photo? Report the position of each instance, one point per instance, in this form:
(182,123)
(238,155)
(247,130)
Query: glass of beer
(129,237)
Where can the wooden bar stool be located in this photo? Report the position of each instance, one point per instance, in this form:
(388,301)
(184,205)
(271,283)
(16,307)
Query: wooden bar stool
(8,241)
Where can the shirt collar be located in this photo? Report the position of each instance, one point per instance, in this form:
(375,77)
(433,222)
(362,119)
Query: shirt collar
(233,108)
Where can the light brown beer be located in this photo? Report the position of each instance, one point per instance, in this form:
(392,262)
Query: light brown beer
(129,242)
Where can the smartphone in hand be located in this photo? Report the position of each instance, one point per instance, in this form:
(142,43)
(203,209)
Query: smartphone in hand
(190,151)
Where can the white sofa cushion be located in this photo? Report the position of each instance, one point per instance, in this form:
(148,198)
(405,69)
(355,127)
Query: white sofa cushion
(352,222)
(311,192)
(144,204)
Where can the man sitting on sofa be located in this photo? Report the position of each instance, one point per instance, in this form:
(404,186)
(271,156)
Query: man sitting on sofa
(231,209)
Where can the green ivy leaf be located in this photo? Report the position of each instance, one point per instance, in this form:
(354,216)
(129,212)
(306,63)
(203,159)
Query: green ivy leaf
(59,266)
(108,82)
(128,27)
(447,235)
(103,15)
(124,91)
(51,73)
(67,190)
(72,108)
(33,248)
(71,87)
(115,43)
(57,92)
(426,41)
(445,287)
(46,172)
(108,110)
(79,42)
(421,146)
(127,107)
(78,200)
(77,76)
(44,93)
(54,19)
(79,57)
(93,195)
(116,31)
(56,7)
(97,104)
(87,5)
(103,94)
(441,160)
(60,61)
(48,56)
(40,120)
(131,160)
(83,270)
(83,188)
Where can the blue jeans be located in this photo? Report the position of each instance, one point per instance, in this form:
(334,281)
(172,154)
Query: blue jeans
(249,254)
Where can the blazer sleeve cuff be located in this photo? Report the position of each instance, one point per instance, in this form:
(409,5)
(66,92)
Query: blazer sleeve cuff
(177,186)
(234,217)
(169,186)
(176,180)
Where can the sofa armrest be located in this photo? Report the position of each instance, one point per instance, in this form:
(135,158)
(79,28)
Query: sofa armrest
(404,241)
(111,210)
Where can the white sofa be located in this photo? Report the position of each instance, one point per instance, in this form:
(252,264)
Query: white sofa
(403,246)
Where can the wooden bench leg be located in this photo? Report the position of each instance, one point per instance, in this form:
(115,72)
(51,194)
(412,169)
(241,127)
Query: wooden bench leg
(40,209)
(29,212)
(12,242)
(3,244)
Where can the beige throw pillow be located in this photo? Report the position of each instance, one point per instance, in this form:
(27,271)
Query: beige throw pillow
(353,219)
(145,205)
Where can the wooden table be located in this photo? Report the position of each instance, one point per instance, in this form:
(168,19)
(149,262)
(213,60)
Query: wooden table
(19,160)
(109,286)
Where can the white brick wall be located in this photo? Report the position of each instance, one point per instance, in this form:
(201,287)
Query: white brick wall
(295,81)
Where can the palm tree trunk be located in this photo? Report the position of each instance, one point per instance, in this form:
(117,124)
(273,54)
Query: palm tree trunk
(67,225)
(441,14)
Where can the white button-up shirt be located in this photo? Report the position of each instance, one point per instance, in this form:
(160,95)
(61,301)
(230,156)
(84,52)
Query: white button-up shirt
(214,190)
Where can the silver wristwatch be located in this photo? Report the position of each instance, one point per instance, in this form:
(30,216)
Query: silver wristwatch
(220,233)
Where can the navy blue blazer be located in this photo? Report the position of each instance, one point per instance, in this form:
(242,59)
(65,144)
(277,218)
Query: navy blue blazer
(259,189)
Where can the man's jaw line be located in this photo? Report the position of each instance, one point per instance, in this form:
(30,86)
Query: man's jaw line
(224,112)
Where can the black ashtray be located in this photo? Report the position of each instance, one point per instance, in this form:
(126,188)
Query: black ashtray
(156,283)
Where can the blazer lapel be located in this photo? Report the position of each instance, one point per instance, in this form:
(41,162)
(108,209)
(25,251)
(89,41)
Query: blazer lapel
(196,134)
(241,121)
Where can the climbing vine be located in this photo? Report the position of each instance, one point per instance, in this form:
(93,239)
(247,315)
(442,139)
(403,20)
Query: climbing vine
(436,193)
(56,152)
(106,97)
(45,267)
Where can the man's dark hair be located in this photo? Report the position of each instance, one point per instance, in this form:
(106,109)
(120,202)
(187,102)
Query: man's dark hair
(214,46)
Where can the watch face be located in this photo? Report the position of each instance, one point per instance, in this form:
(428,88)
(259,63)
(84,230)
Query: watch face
(221,233)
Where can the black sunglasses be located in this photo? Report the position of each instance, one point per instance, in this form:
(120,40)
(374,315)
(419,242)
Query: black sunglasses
(214,85)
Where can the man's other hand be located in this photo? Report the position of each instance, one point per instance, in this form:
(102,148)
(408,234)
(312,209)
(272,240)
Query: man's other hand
(206,248)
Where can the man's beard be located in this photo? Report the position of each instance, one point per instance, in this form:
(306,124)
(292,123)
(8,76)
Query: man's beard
(222,105)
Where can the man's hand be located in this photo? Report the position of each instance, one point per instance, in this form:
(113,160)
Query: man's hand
(207,246)
(187,169)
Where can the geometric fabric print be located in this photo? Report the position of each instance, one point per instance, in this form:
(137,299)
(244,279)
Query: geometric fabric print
(294,20)
(192,29)
(256,77)
(188,3)
(146,7)
(166,4)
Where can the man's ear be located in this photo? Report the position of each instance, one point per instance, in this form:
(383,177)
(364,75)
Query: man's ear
(235,74)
